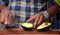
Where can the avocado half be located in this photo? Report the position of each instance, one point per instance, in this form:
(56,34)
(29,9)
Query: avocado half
(44,27)
(27,26)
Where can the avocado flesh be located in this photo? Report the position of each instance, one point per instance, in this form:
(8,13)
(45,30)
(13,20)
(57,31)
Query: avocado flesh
(27,25)
(42,26)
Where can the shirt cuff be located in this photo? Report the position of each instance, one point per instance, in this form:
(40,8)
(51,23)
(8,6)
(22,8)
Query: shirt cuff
(46,15)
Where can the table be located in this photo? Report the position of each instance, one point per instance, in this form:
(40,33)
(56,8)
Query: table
(18,31)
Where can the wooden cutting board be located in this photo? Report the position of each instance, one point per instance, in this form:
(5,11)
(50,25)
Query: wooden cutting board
(21,31)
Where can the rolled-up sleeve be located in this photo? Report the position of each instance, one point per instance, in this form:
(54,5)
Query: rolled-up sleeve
(1,2)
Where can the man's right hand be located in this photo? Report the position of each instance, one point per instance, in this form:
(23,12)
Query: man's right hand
(5,16)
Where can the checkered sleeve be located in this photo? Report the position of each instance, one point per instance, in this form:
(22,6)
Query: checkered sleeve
(1,2)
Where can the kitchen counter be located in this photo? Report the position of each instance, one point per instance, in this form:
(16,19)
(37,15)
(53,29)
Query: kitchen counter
(18,31)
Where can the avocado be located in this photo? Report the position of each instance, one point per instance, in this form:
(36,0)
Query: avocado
(27,26)
(44,27)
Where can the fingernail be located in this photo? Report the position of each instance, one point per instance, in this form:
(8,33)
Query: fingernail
(6,23)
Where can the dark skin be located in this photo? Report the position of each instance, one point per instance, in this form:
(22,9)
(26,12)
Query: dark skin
(38,18)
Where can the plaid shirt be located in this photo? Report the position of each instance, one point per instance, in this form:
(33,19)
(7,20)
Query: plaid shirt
(25,8)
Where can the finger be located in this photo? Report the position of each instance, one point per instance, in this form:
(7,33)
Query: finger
(9,18)
(6,20)
(2,17)
(29,20)
(40,21)
(10,14)
(35,23)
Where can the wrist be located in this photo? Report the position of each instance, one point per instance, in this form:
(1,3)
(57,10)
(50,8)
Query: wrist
(46,15)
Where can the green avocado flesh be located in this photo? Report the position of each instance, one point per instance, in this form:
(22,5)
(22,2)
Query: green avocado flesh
(43,26)
(27,25)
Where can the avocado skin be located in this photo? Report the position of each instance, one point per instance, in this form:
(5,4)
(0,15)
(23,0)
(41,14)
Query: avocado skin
(27,29)
(44,29)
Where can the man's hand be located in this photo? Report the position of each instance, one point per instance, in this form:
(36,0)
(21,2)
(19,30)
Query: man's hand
(38,19)
(5,16)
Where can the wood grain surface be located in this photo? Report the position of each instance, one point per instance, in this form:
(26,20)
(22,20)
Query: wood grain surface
(21,31)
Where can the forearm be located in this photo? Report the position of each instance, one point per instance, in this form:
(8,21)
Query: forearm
(52,10)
